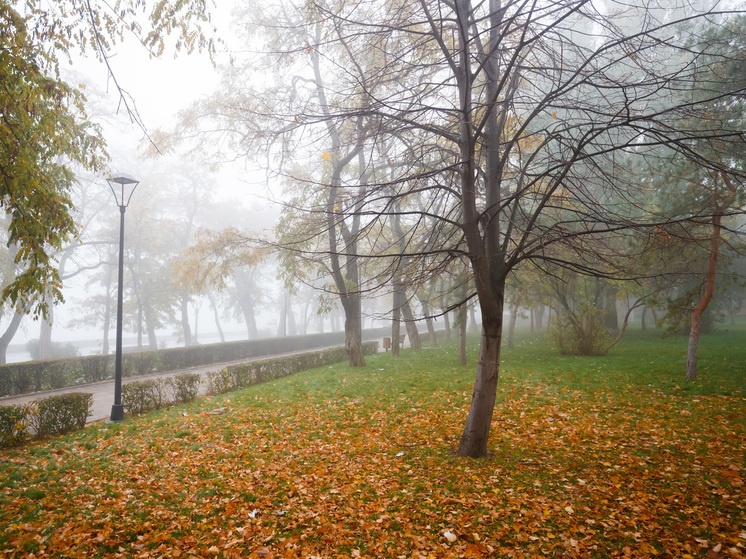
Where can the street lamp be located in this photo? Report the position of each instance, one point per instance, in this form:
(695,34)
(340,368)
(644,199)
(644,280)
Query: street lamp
(122,194)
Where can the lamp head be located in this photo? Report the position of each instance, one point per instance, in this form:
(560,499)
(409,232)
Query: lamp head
(128,183)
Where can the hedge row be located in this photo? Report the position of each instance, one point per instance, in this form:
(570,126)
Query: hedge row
(35,376)
(49,416)
(139,397)
(255,372)
(66,412)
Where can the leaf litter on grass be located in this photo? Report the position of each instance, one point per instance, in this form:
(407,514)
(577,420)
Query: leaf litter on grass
(365,468)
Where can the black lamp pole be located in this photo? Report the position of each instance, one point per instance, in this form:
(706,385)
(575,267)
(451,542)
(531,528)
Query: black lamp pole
(123,200)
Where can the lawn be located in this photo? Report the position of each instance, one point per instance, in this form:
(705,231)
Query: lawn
(590,457)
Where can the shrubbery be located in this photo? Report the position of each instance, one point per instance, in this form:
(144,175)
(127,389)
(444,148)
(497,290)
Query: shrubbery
(142,396)
(14,425)
(581,332)
(66,412)
(255,372)
(35,376)
(49,416)
(60,414)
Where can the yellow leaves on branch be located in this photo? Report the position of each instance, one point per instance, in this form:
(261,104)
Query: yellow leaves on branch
(213,256)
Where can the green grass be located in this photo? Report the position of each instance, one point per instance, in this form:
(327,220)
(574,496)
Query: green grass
(589,457)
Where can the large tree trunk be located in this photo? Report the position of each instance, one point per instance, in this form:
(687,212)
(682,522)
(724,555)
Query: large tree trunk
(353,343)
(712,263)
(477,430)
(699,309)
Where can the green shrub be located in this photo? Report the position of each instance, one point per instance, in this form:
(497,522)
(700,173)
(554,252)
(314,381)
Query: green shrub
(97,367)
(60,414)
(220,382)
(143,396)
(142,362)
(184,387)
(14,425)
(581,332)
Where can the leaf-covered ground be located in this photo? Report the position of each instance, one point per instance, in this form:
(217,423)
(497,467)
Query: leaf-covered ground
(358,463)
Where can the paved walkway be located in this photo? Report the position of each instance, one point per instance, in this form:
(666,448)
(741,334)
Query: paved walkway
(103,392)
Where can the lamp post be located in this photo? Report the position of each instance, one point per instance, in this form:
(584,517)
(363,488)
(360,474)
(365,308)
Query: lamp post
(122,194)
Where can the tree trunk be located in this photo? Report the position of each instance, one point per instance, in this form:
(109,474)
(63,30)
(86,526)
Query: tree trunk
(611,317)
(216,315)
(643,325)
(185,328)
(292,326)
(701,307)
(447,322)
(396,323)
(411,326)
(539,315)
(477,430)
(353,343)
(712,263)
(45,335)
(433,336)
(195,339)
(150,325)
(7,336)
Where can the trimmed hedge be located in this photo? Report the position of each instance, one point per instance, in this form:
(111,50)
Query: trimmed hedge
(60,414)
(245,374)
(49,416)
(35,376)
(14,425)
(66,412)
(142,396)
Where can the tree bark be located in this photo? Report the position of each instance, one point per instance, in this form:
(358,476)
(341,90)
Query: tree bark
(433,336)
(216,315)
(7,336)
(185,328)
(477,430)
(353,343)
(396,322)
(710,275)
(411,326)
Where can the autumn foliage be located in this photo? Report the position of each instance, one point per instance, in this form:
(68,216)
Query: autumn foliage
(342,462)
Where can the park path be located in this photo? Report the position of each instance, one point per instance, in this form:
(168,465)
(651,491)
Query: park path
(103,392)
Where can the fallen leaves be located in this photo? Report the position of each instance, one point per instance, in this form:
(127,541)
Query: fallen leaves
(577,476)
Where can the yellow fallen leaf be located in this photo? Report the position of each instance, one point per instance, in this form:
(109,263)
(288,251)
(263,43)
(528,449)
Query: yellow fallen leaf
(569,510)
(326,155)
